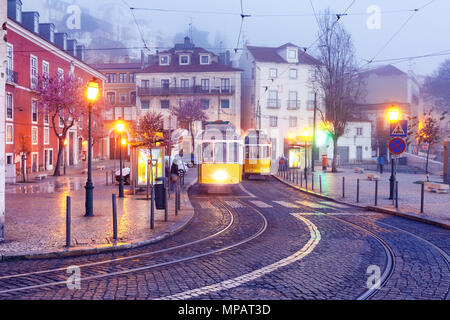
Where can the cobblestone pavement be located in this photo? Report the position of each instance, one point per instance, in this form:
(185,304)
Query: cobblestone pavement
(264,241)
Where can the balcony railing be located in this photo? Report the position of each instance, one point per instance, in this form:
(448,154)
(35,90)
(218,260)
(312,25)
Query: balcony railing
(12,76)
(293,104)
(165,91)
(273,103)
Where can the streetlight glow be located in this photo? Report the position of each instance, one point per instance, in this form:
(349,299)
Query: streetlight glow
(393,114)
(93,90)
(120,126)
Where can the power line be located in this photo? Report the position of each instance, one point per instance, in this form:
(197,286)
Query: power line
(137,25)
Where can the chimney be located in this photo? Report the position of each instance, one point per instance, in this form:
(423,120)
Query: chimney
(15,10)
(81,52)
(72,47)
(47,31)
(30,20)
(61,40)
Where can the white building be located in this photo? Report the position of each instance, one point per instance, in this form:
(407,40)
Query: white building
(188,72)
(277,93)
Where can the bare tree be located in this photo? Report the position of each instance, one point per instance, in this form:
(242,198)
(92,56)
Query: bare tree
(337,78)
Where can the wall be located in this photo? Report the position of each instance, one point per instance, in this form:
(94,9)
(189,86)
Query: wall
(3,10)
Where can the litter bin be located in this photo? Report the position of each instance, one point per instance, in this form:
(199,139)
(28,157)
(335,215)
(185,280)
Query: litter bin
(160,194)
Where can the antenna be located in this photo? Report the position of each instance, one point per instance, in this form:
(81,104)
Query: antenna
(190,31)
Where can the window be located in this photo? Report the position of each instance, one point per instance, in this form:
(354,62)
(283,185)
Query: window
(359,131)
(165,104)
(133,97)
(46,118)
(204,59)
(46,136)
(292,122)
(184,83)
(184,59)
(145,83)
(164,60)
(33,72)
(123,98)
(145,104)
(225,85)
(273,121)
(10,159)
(122,78)
(132,78)
(292,54)
(273,73)
(9,106)
(205,103)
(205,84)
(312,75)
(111,97)
(111,77)
(61,122)
(225,103)
(273,99)
(292,102)
(9,64)
(61,73)
(233,152)
(34,111)
(165,83)
(34,135)
(45,68)
(9,134)
(293,74)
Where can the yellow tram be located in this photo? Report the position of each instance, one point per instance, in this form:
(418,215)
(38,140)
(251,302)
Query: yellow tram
(219,155)
(257,154)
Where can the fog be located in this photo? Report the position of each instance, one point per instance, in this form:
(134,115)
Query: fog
(216,25)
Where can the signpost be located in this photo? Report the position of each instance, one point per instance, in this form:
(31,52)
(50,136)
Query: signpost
(397,146)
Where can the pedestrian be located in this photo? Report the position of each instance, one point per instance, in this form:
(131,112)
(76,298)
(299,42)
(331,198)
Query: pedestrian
(381,162)
(174,172)
(282,163)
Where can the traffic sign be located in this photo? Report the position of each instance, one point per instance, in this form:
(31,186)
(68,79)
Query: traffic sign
(399,129)
(397,146)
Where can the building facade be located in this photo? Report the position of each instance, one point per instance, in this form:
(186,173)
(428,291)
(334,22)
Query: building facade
(35,49)
(277,93)
(3,22)
(120,93)
(188,72)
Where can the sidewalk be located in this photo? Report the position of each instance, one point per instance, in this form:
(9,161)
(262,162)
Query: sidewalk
(36,217)
(436,206)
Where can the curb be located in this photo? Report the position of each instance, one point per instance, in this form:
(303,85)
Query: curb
(406,215)
(71,253)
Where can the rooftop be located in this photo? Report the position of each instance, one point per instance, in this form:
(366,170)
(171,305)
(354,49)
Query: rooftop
(270,54)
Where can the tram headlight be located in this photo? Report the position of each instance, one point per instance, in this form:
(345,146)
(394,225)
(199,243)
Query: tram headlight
(220,175)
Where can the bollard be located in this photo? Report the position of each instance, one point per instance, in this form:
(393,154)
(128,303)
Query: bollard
(114,206)
(320,183)
(306,181)
(166,209)
(106,174)
(152,208)
(301,181)
(176,200)
(312,181)
(376,193)
(343,187)
(357,190)
(179,198)
(68,221)
(396,194)
(422,192)
(296,177)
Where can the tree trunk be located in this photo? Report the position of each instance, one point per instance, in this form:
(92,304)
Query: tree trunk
(57,172)
(334,165)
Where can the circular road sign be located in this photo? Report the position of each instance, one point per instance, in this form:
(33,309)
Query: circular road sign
(397,145)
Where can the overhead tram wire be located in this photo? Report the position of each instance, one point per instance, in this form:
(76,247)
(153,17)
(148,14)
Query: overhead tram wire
(137,25)
(243,16)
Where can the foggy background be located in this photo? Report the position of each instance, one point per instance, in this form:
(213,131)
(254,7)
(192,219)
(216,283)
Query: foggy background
(110,24)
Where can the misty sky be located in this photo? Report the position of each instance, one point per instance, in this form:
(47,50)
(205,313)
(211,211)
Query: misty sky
(425,33)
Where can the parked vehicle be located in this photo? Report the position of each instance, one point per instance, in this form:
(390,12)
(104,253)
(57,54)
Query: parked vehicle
(125,174)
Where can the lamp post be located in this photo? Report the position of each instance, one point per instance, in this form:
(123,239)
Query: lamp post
(92,95)
(64,153)
(306,136)
(314,133)
(393,116)
(120,127)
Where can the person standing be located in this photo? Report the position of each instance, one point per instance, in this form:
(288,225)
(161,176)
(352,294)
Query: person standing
(174,172)
(381,163)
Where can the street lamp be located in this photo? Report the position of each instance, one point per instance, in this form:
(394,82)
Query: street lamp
(393,117)
(64,152)
(306,135)
(120,127)
(92,95)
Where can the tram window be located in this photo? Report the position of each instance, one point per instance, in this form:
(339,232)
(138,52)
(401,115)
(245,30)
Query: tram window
(247,152)
(220,152)
(264,152)
(254,152)
(208,152)
(233,152)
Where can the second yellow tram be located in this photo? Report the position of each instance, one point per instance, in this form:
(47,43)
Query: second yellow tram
(257,154)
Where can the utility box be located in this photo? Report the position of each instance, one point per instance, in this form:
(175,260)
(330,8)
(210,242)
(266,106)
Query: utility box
(446,162)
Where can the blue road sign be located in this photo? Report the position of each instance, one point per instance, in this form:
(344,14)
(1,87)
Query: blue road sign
(399,129)
(397,146)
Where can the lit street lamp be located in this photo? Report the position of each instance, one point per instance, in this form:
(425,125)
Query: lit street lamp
(120,127)
(64,153)
(92,95)
(393,116)
(306,135)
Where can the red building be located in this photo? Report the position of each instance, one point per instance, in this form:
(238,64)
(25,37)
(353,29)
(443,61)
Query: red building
(35,49)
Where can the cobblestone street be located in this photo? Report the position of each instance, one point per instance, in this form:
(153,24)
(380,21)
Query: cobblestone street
(264,240)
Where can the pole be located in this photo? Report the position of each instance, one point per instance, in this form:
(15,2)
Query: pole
(306,164)
(314,132)
(152,201)
(312,181)
(396,194)
(392,178)
(68,221)
(169,152)
(121,194)
(320,183)
(114,206)
(343,187)
(422,192)
(357,190)
(89,185)
(376,193)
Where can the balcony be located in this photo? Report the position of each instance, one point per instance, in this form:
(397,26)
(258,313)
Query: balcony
(12,76)
(274,104)
(167,91)
(293,104)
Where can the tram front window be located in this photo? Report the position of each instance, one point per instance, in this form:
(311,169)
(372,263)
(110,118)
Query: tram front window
(264,152)
(233,152)
(220,152)
(208,152)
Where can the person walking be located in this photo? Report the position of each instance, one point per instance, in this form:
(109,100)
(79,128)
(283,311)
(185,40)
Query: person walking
(381,163)
(282,163)
(174,173)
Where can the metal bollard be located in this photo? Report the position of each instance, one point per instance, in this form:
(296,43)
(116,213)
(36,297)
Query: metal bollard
(166,209)
(343,187)
(301,180)
(179,198)
(114,206)
(357,190)
(68,221)
(320,183)
(422,193)
(376,193)
(152,208)
(396,194)
(306,181)
(107,180)
(312,181)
